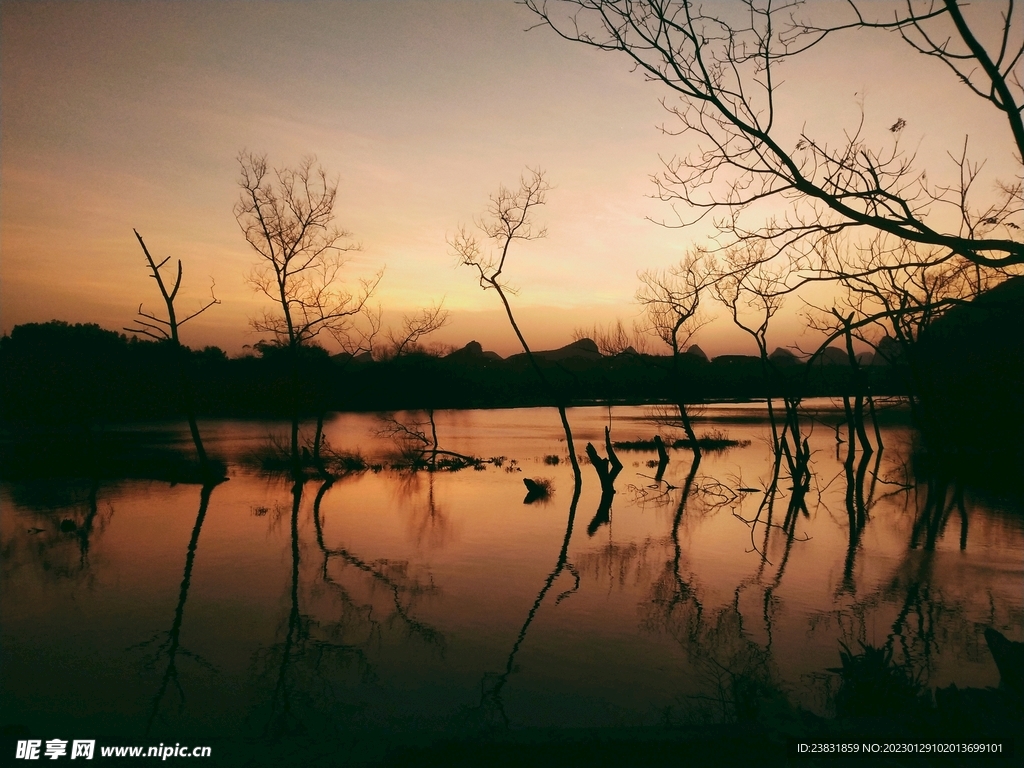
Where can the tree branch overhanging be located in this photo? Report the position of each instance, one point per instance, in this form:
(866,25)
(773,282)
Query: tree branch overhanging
(724,67)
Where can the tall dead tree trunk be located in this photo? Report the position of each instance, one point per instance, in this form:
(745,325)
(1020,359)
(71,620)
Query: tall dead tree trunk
(167,330)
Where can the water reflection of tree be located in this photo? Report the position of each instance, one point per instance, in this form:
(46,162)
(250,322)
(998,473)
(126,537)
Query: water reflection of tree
(736,677)
(620,565)
(859,503)
(493,685)
(944,492)
(674,603)
(61,530)
(393,576)
(170,645)
(928,619)
(428,521)
(859,498)
(299,663)
(764,519)
(739,680)
(925,619)
(309,667)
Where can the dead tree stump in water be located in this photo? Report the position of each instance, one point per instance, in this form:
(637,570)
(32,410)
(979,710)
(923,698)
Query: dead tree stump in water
(607,470)
(662,458)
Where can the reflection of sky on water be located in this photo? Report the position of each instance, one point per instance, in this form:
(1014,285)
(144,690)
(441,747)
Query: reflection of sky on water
(411,589)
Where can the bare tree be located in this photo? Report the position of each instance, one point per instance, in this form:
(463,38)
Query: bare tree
(287,216)
(510,219)
(754,291)
(725,66)
(671,301)
(407,337)
(916,239)
(418,444)
(166,329)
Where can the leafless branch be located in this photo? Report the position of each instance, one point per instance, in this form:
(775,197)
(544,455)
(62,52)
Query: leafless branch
(722,67)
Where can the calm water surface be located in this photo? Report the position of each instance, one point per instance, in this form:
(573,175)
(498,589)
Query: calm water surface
(394,603)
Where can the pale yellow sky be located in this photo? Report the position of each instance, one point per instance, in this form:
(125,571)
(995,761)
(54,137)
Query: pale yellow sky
(116,115)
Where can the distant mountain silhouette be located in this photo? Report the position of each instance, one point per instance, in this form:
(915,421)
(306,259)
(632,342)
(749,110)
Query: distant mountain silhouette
(736,359)
(361,357)
(472,351)
(833,356)
(889,352)
(783,356)
(584,348)
(697,352)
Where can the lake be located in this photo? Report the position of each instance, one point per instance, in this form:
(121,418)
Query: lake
(396,607)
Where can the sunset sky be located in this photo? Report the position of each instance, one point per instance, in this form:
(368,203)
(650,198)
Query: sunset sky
(126,114)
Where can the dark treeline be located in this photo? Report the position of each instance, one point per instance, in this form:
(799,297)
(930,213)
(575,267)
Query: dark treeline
(57,373)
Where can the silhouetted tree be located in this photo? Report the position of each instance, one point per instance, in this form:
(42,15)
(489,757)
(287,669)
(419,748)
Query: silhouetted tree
(671,302)
(726,67)
(159,328)
(753,290)
(771,187)
(287,216)
(510,219)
